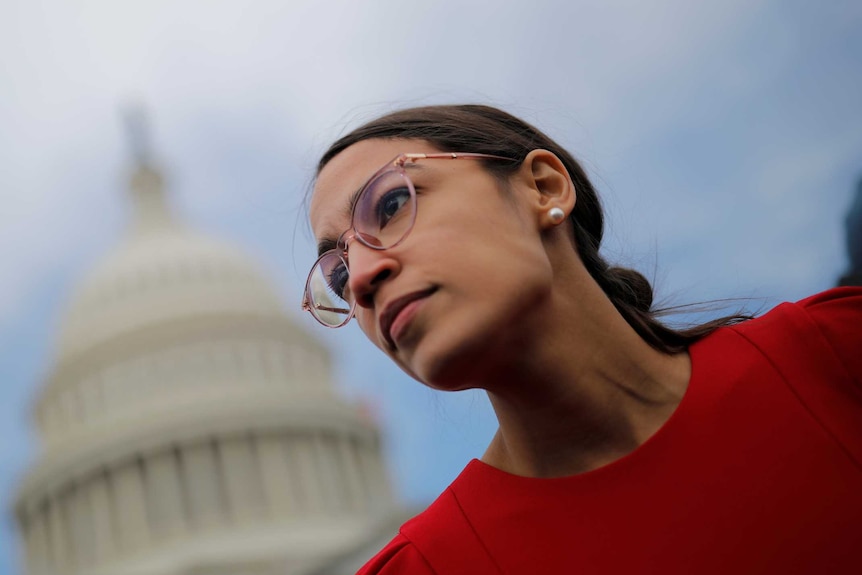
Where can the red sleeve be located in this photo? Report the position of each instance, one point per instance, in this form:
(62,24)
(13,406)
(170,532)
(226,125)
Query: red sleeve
(815,345)
(399,557)
(838,315)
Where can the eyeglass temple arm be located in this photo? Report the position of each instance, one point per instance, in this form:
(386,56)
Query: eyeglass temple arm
(452,155)
(306,306)
(332,309)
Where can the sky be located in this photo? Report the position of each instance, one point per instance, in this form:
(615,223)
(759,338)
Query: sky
(725,138)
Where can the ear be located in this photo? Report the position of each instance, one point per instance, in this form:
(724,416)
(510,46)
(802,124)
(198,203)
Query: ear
(552,187)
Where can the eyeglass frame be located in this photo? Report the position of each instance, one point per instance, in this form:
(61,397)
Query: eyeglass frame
(341,244)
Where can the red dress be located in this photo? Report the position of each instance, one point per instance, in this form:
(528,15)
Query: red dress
(759,470)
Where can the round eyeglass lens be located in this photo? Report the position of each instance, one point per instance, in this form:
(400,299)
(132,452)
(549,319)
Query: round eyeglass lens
(328,291)
(386,210)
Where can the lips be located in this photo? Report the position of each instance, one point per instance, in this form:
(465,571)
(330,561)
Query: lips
(395,307)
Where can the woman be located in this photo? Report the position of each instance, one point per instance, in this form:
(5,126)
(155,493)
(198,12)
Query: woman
(624,446)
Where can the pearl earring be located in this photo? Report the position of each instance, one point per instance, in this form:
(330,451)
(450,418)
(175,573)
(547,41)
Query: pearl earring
(557,215)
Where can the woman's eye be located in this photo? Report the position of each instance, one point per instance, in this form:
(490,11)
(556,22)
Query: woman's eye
(337,280)
(390,203)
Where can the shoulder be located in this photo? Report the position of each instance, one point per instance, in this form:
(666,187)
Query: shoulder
(400,556)
(440,540)
(834,309)
(837,313)
(407,552)
(826,327)
(814,346)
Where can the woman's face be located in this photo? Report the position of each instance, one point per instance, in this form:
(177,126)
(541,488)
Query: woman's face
(447,303)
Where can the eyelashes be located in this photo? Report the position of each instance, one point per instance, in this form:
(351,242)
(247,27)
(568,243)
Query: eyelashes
(337,279)
(390,205)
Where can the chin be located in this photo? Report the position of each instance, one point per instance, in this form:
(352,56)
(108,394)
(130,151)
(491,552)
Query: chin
(432,370)
(473,347)
(457,359)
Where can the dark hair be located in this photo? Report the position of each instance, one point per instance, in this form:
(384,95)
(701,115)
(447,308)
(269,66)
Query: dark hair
(487,130)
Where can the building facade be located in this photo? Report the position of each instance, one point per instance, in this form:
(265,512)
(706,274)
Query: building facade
(189,427)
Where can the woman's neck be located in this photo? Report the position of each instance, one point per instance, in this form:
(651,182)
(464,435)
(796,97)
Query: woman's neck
(589,391)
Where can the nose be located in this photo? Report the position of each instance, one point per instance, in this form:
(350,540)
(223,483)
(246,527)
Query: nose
(368,270)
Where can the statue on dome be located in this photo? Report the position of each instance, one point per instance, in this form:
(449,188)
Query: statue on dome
(137,124)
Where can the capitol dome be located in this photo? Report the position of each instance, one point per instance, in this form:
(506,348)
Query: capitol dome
(188,425)
(162,271)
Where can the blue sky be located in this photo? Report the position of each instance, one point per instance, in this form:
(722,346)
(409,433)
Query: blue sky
(725,139)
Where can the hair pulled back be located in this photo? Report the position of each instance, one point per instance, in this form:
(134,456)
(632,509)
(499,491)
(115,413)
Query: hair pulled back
(488,130)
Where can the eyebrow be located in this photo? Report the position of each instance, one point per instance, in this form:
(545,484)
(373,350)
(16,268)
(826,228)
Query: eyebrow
(350,205)
(326,244)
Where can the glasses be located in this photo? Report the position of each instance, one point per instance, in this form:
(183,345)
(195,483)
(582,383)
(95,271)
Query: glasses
(383,214)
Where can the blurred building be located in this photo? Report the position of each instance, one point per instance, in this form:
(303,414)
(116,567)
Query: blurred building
(189,427)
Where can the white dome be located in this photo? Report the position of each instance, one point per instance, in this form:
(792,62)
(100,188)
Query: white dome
(189,425)
(161,272)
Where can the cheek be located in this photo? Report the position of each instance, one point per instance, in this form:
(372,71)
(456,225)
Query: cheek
(494,265)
